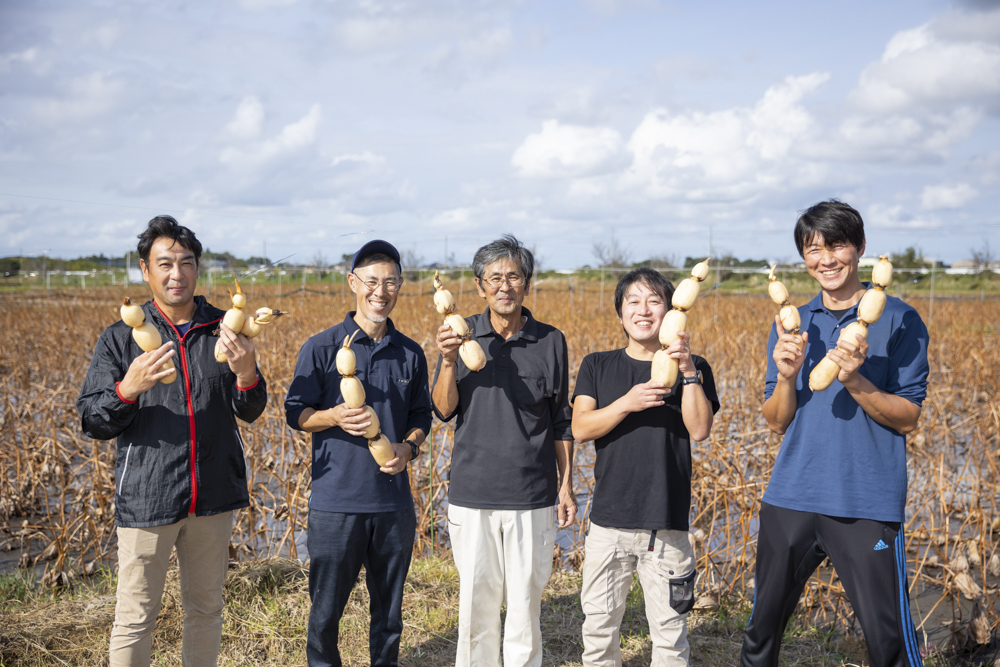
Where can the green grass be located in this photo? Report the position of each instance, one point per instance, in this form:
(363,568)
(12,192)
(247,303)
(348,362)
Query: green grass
(267,608)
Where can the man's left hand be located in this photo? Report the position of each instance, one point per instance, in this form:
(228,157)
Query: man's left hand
(849,357)
(398,464)
(239,352)
(566,509)
(680,350)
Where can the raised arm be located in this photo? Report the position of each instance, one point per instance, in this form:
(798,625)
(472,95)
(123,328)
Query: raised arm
(445,392)
(780,407)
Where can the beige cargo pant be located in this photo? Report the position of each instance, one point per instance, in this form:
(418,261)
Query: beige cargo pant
(666,573)
(202,544)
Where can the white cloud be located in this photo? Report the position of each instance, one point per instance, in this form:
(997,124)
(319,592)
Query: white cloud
(954,60)
(944,196)
(257,5)
(900,137)
(248,121)
(462,60)
(86,96)
(366,158)
(28,56)
(896,216)
(566,150)
(723,154)
(292,137)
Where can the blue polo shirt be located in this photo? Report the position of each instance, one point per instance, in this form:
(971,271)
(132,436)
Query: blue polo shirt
(835,459)
(345,476)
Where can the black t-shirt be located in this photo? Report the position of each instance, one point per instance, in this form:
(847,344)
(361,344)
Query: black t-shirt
(643,467)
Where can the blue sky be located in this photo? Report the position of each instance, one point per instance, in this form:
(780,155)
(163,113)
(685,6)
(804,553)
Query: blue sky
(314,126)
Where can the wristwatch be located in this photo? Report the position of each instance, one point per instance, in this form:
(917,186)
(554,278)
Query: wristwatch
(414,449)
(694,379)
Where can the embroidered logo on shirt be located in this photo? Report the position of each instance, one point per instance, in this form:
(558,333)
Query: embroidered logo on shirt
(881,545)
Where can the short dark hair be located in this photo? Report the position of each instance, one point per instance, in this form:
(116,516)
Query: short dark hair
(835,220)
(505,247)
(654,280)
(166,226)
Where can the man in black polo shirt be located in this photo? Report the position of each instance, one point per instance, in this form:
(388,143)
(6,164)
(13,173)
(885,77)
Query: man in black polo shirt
(642,497)
(513,434)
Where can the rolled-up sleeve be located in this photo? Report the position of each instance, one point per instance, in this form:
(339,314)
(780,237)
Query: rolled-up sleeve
(306,389)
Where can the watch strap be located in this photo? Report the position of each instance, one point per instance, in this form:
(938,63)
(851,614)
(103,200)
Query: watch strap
(414,449)
(694,379)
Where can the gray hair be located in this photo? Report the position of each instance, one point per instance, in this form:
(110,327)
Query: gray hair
(506,247)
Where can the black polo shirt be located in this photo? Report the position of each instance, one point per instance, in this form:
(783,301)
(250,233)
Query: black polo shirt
(510,414)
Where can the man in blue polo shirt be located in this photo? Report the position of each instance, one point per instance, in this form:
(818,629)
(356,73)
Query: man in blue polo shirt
(838,488)
(359,513)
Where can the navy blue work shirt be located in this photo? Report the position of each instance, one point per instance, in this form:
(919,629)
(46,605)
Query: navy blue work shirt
(393,371)
(835,459)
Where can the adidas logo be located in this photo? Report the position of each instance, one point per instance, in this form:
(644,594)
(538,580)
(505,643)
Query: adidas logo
(881,545)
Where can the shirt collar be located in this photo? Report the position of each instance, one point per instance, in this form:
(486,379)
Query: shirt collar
(484,327)
(816,305)
(391,335)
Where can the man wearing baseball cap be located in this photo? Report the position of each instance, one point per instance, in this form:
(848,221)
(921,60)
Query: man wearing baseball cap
(360,513)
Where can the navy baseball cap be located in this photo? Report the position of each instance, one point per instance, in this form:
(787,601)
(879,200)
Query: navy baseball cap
(373,247)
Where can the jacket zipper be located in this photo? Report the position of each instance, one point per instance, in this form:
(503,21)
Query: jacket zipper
(121,484)
(190,403)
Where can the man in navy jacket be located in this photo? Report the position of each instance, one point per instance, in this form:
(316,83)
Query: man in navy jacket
(179,469)
(360,513)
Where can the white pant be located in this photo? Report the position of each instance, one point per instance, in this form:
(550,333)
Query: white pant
(498,551)
(202,544)
(610,555)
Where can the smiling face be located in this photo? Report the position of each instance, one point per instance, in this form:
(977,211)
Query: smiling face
(172,273)
(835,266)
(504,298)
(642,312)
(375,304)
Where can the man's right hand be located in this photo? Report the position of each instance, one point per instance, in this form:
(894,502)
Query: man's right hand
(448,343)
(144,372)
(787,353)
(644,396)
(353,421)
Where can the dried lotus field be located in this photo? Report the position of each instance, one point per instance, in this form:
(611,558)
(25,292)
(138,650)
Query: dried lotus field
(57,486)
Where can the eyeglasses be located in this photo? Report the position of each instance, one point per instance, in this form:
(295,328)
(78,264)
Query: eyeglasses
(515,280)
(391,285)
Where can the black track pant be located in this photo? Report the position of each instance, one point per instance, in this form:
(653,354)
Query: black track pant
(868,557)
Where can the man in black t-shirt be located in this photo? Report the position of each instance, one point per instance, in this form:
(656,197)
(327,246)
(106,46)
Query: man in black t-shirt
(639,517)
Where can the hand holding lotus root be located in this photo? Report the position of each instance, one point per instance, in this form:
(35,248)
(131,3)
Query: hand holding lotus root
(240,323)
(664,366)
(789,314)
(869,310)
(470,350)
(354,397)
(146,336)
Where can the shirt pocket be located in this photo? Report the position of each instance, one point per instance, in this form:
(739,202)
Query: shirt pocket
(528,390)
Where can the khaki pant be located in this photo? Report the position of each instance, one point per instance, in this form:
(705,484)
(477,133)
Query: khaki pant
(498,551)
(202,544)
(667,576)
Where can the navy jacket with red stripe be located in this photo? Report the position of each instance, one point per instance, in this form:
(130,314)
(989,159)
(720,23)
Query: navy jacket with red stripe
(179,445)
